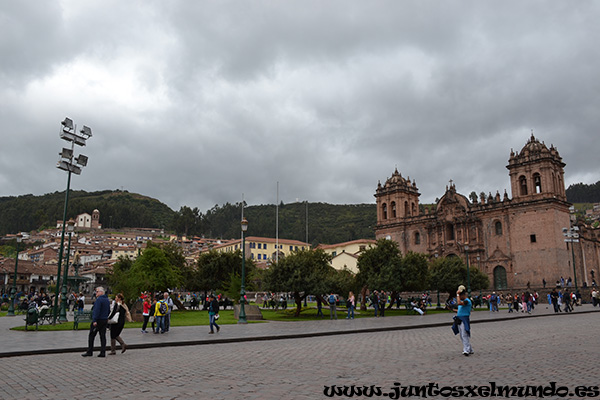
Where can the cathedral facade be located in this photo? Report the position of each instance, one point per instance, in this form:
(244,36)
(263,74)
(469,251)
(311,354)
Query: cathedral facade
(514,240)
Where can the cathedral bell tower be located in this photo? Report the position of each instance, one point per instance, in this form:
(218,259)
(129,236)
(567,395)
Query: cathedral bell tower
(536,172)
(397,199)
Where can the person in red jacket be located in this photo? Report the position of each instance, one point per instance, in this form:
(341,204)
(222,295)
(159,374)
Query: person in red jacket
(146,313)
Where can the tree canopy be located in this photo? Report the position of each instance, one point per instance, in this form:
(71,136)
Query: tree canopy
(447,273)
(303,272)
(219,271)
(151,271)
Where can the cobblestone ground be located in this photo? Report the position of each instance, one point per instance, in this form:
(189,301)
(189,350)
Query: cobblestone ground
(561,348)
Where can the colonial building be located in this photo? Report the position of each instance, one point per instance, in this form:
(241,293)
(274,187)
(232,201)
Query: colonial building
(515,240)
(345,255)
(85,221)
(263,250)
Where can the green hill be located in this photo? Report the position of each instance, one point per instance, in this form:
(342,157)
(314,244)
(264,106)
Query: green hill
(327,223)
(583,193)
(117,209)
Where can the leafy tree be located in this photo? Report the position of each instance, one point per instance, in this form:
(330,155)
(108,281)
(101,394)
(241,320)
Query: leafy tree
(150,271)
(377,266)
(215,270)
(174,254)
(415,272)
(582,193)
(447,273)
(120,279)
(342,282)
(303,272)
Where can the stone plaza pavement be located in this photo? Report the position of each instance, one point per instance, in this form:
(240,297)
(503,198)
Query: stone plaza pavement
(247,362)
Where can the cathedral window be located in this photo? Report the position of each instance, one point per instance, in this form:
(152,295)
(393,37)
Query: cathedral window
(393,209)
(417,238)
(532,238)
(537,182)
(498,227)
(406,209)
(523,185)
(384,210)
(450,232)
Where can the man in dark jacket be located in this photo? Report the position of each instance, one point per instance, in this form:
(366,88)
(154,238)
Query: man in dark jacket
(99,322)
(213,311)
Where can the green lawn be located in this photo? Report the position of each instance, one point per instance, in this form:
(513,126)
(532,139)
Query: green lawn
(198,318)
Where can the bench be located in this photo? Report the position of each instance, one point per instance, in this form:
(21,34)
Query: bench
(83,316)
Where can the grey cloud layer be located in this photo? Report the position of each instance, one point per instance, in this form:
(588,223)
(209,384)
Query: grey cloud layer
(195,103)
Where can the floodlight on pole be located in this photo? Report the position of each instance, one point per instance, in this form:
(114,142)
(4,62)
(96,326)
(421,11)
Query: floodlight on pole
(66,163)
(67,123)
(82,160)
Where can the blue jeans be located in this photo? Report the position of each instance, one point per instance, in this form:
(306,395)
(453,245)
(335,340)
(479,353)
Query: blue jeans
(350,312)
(160,323)
(211,318)
(376,307)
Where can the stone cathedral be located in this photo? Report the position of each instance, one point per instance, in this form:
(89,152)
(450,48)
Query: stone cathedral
(515,240)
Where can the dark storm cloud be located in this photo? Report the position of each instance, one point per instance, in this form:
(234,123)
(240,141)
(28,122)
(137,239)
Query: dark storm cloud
(195,103)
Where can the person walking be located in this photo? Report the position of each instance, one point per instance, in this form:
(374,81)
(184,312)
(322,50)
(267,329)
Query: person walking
(213,311)
(332,306)
(120,308)
(509,302)
(382,303)
(160,310)
(351,304)
(170,304)
(375,302)
(566,300)
(80,303)
(99,322)
(153,315)
(319,307)
(146,305)
(462,322)
(554,299)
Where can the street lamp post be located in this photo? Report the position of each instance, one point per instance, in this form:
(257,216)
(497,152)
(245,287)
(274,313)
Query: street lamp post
(70,164)
(572,236)
(62,317)
(468,271)
(242,316)
(13,291)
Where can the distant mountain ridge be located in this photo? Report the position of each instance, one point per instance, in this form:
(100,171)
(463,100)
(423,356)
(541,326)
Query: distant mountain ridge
(117,209)
(583,193)
(327,223)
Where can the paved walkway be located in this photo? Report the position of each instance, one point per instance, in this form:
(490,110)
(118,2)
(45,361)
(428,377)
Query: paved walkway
(521,351)
(19,343)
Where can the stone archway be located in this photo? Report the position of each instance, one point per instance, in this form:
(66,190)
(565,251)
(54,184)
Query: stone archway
(500,281)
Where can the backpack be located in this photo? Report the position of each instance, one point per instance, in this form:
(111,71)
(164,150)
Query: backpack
(331,299)
(162,308)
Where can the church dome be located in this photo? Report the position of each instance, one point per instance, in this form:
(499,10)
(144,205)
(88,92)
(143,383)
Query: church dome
(534,146)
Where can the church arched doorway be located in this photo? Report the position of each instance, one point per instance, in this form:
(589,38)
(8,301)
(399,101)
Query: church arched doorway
(500,281)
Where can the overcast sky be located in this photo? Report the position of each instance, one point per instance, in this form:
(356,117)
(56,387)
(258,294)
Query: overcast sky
(195,102)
